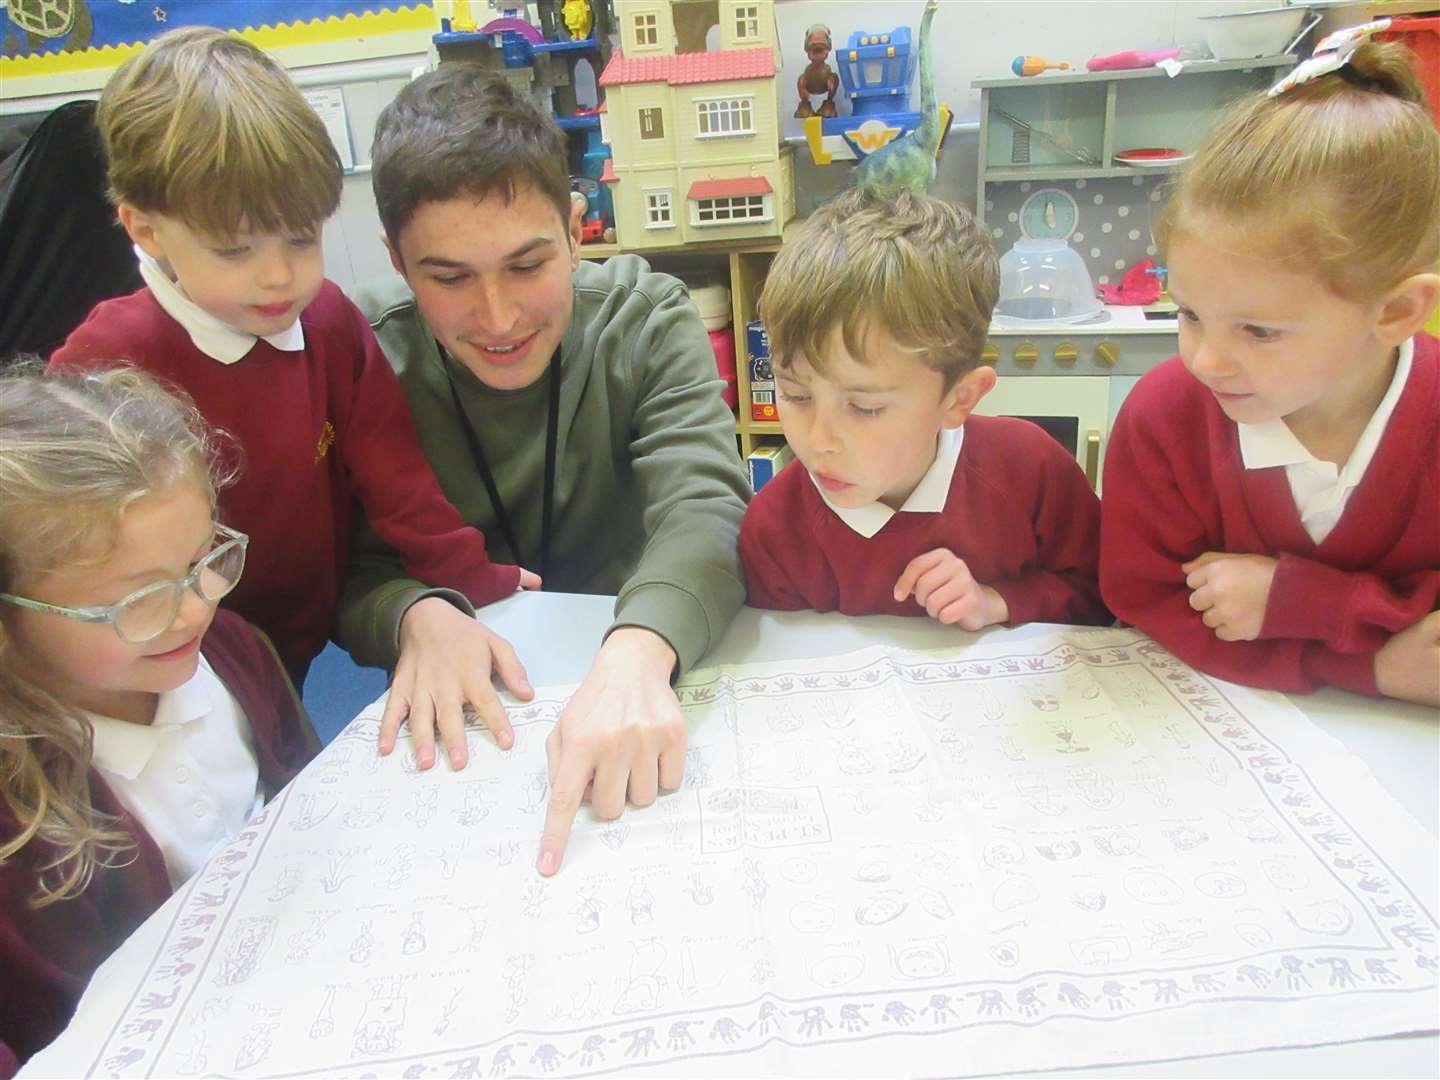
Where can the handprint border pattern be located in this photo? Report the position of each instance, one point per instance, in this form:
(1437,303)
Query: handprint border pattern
(210,908)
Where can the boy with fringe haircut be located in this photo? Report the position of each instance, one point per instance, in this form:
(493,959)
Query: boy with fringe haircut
(900,500)
(223,177)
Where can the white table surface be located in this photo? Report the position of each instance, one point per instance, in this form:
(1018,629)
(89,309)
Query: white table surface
(557,634)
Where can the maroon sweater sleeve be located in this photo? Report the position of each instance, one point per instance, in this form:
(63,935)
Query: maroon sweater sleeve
(1351,611)
(784,570)
(395,484)
(48,954)
(1150,525)
(1062,585)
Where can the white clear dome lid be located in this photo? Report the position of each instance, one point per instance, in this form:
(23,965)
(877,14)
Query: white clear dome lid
(1045,280)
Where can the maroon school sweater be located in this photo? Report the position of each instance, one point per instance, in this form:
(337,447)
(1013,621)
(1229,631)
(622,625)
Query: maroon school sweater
(1019,513)
(48,955)
(318,431)
(1176,487)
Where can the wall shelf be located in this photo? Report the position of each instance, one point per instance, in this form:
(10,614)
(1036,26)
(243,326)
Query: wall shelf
(1193,67)
(1099,113)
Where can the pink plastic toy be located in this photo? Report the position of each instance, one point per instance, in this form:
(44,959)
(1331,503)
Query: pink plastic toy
(1140,285)
(1131,58)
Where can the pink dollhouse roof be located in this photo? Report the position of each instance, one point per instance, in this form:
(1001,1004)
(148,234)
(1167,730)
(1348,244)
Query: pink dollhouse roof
(722,189)
(720,66)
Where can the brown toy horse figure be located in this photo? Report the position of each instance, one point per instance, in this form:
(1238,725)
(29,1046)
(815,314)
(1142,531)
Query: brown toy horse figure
(818,76)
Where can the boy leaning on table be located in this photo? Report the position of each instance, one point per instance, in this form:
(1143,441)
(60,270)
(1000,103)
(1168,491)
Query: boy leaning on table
(900,500)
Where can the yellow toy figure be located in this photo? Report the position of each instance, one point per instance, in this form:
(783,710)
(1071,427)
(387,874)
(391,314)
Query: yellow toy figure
(577,16)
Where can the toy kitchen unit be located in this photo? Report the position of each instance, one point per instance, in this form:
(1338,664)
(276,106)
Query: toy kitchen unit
(1072,172)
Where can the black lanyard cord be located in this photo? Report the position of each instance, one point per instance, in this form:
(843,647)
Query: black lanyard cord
(552,430)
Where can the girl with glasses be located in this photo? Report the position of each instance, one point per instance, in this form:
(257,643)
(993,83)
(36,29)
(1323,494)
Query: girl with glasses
(140,727)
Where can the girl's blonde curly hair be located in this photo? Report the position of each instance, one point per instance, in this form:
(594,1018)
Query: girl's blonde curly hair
(75,453)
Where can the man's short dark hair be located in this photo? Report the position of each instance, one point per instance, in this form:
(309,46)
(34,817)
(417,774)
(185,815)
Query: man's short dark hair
(460,130)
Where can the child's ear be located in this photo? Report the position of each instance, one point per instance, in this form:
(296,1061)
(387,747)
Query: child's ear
(140,227)
(961,399)
(1407,307)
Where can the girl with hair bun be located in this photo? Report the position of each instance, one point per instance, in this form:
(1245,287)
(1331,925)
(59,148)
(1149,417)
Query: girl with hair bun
(1272,495)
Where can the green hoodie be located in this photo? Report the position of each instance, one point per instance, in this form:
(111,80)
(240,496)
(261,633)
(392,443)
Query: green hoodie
(649,490)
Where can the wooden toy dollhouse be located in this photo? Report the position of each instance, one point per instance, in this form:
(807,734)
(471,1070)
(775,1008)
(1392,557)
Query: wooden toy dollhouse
(694,133)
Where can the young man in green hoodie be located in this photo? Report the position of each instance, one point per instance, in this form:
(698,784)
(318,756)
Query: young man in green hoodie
(572,413)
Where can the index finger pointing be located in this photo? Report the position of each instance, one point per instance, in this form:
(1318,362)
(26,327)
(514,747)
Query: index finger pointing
(571,776)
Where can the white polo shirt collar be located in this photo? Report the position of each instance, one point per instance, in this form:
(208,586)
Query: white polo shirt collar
(216,339)
(125,749)
(929,496)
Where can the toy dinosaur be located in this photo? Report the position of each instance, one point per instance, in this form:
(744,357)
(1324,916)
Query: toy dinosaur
(909,161)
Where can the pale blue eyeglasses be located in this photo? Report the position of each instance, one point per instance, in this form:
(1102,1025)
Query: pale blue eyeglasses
(147,613)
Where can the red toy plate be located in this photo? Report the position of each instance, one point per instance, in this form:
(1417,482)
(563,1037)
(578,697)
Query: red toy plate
(1151,155)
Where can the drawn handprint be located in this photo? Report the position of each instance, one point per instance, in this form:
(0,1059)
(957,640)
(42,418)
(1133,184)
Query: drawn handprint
(1341,974)
(1257,977)
(501,1063)
(546,1056)
(1378,970)
(1115,996)
(897,1012)
(1028,1000)
(1072,995)
(679,1037)
(153,1002)
(1294,970)
(992,1002)
(812,1020)
(1397,909)
(1166,990)
(592,1051)
(642,1042)
(767,1018)
(1206,983)
(726,1030)
(148,1028)
(851,1019)
(127,1056)
(941,1008)
(1411,933)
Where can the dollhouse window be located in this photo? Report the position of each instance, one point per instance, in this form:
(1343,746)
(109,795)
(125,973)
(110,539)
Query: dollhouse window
(657,210)
(747,22)
(731,209)
(646,31)
(652,123)
(725,116)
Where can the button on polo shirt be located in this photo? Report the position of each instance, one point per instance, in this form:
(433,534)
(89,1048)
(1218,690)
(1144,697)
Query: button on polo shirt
(190,777)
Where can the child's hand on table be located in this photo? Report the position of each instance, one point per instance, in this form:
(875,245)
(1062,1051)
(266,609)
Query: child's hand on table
(1230,592)
(1408,665)
(943,585)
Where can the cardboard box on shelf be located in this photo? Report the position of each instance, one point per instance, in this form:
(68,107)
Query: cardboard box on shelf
(765,463)
(762,377)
